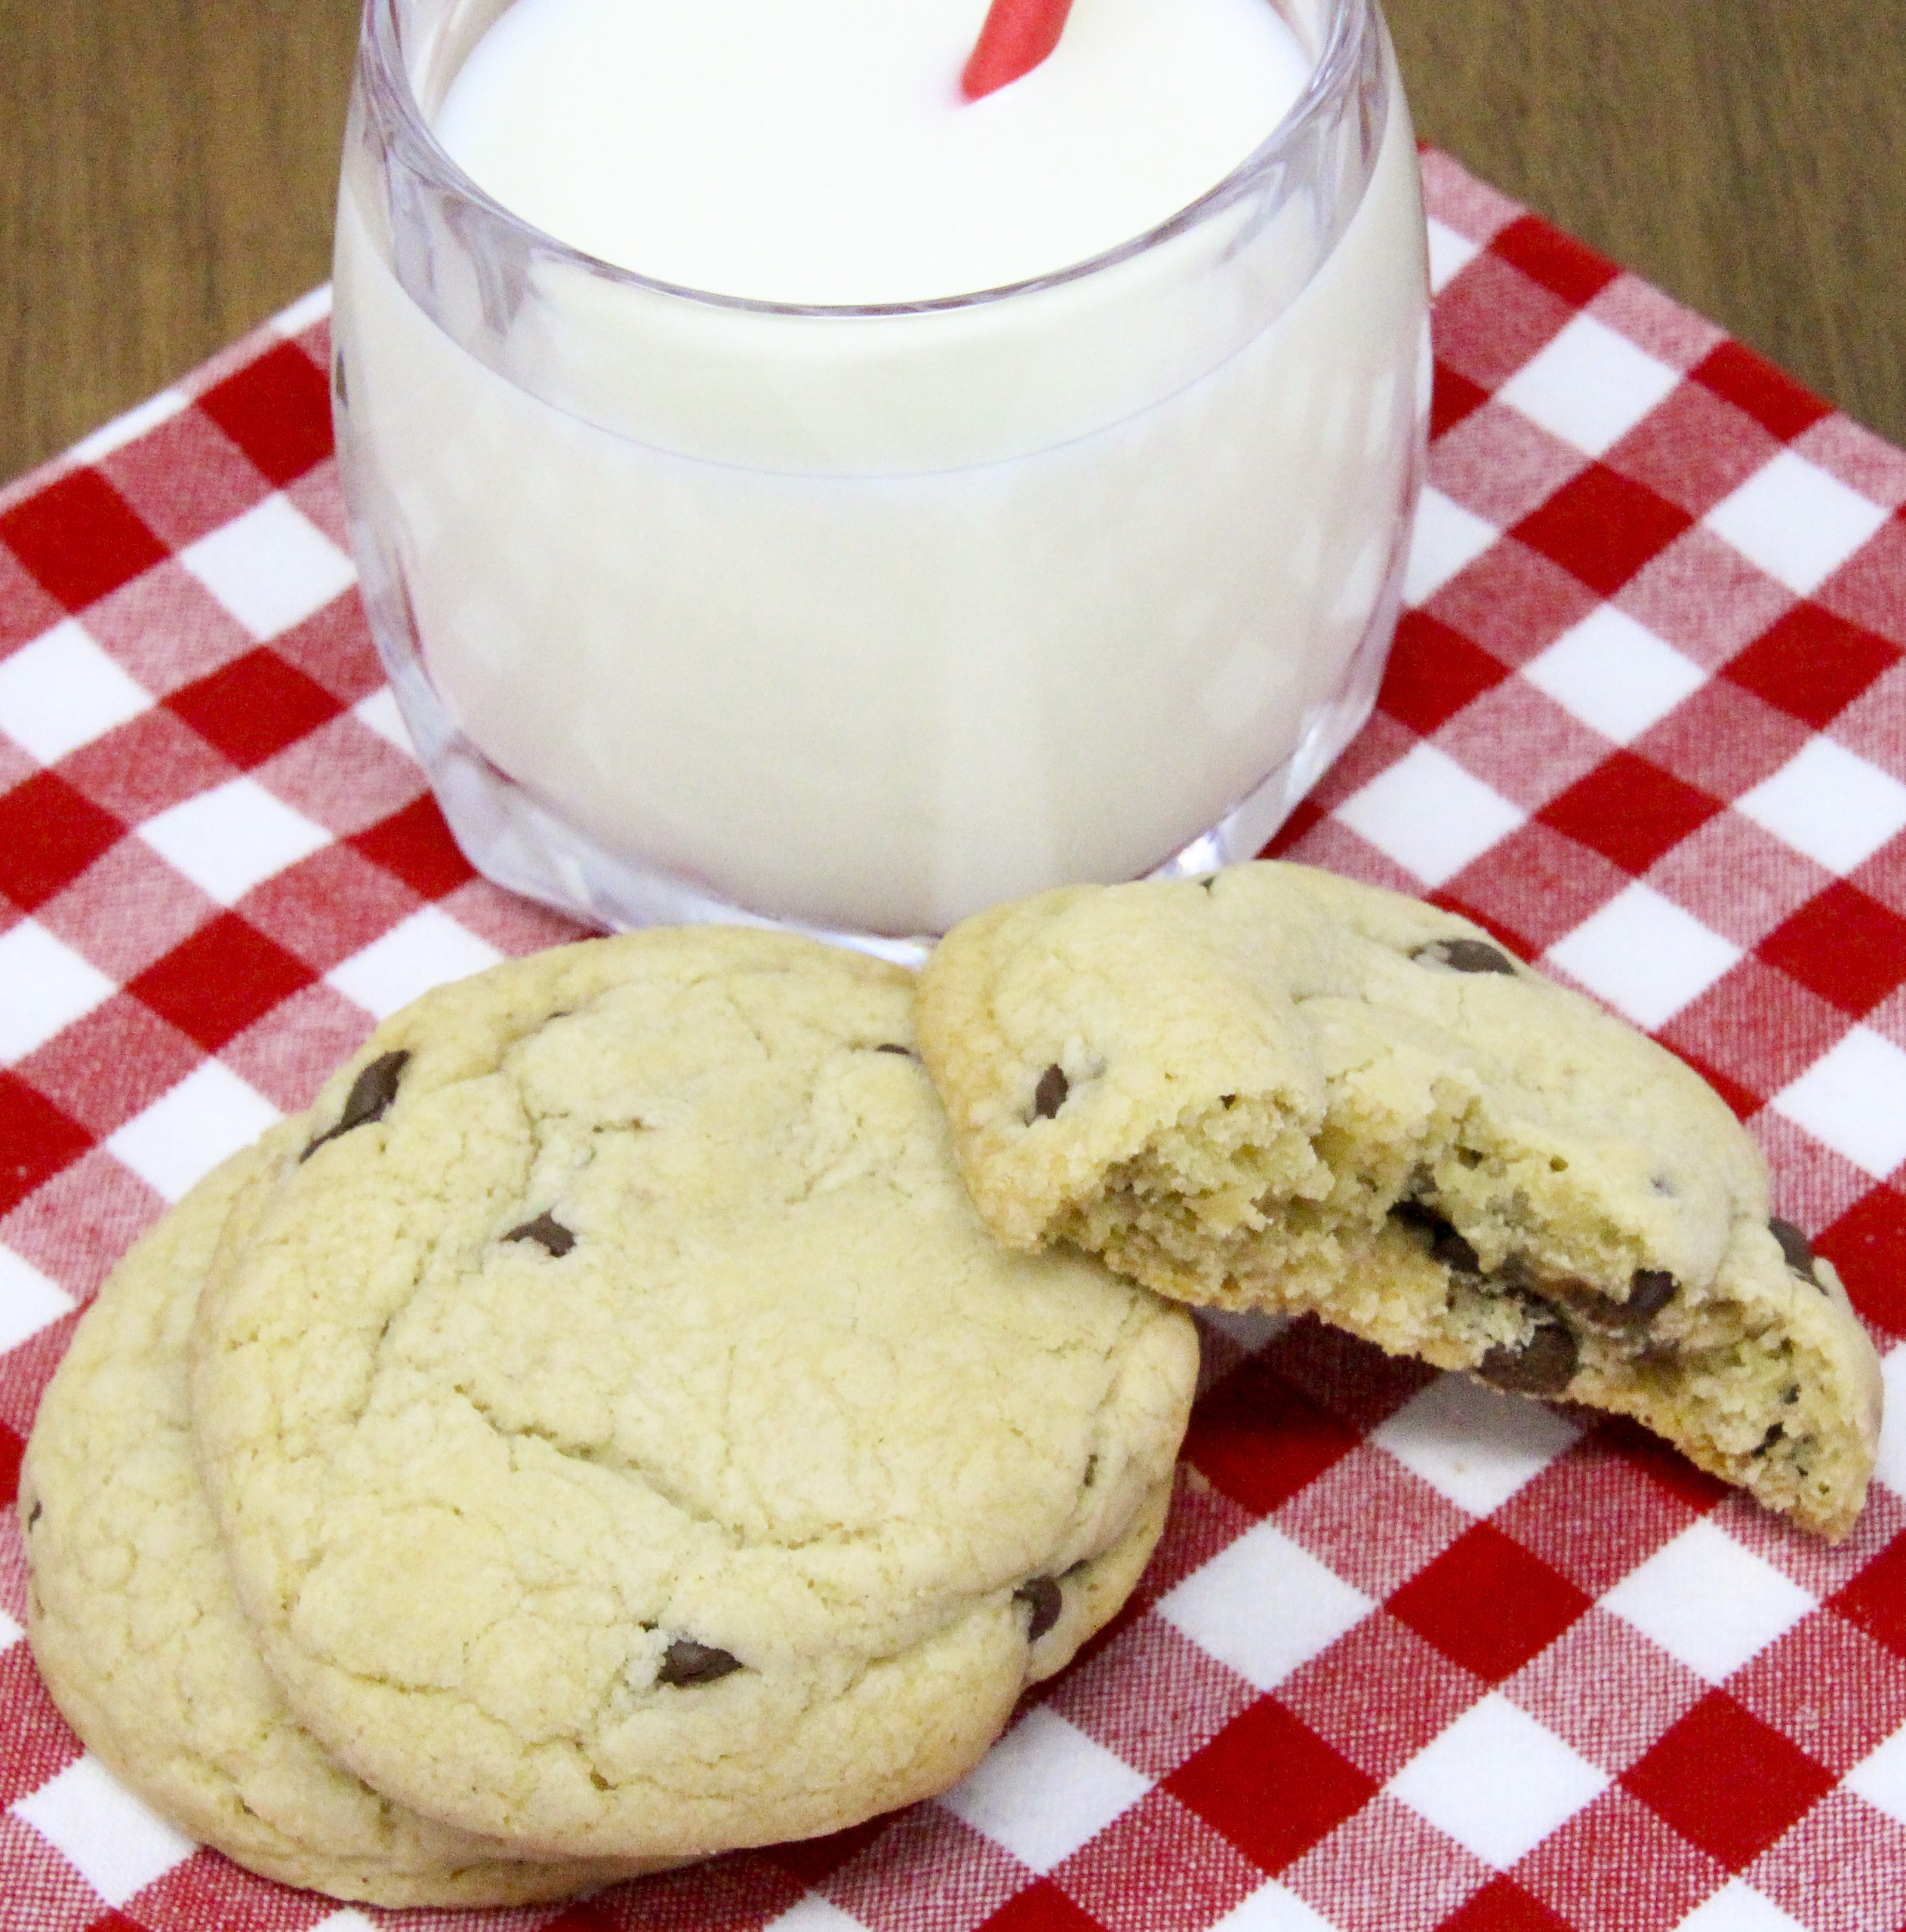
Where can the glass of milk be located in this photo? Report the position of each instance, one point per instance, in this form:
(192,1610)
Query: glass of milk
(785,491)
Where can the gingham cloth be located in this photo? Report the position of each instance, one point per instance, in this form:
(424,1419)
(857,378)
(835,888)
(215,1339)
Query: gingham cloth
(1412,1654)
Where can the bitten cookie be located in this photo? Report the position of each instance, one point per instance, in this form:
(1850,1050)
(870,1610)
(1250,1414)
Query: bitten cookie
(627,1438)
(137,1635)
(1279,1089)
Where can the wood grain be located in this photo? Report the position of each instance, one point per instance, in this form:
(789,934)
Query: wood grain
(167,166)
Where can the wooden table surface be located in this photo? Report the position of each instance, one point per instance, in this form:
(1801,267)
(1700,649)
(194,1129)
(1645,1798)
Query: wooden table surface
(167,171)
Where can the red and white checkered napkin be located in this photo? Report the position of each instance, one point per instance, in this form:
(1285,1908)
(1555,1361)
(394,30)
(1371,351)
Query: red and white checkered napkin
(1413,1654)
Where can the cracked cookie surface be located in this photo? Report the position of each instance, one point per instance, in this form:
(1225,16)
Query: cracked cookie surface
(627,1438)
(1279,1089)
(137,1634)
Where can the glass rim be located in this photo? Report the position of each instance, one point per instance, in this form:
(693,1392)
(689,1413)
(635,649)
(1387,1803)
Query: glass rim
(1331,84)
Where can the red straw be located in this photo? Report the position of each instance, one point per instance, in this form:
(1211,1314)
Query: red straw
(1017,35)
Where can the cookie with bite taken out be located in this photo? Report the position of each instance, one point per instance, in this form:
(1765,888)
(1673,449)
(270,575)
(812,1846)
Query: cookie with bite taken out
(1278,1089)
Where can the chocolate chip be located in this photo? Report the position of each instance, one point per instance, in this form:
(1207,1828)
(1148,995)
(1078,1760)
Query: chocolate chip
(685,1663)
(1768,1441)
(1466,955)
(1544,1365)
(1091,1472)
(547,1232)
(370,1098)
(338,386)
(1797,1251)
(1043,1594)
(1650,1289)
(891,1047)
(33,1515)
(1445,1244)
(1050,1094)
(1209,881)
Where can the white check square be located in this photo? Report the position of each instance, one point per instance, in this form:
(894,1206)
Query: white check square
(1497,1781)
(429,949)
(1272,1909)
(809,1913)
(48,986)
(228,840)
(1264,1605)
(1853,1100)
(1430,814)
(1446,540)
(1450,253)
(29,1302)
(1589,386)
(1617,677)
(1795,522)
(1045,1789)
(1474,1444)
(1709,1603)
(1829,803)
(379,712)
(271,568)
(1738,1907)
(189,1129)
(129,428)
(1645,955)
(1880,1777)
(118,1846)
(62,691)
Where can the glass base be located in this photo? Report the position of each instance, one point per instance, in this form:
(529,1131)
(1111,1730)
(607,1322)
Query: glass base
(515,841)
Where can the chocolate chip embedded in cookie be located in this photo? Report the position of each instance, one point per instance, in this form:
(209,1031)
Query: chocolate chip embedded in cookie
(1277,1089)
(632,1443)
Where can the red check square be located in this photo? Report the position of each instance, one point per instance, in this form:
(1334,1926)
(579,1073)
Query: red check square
(1502,1906)
(1041,1907)
(254,707)
(1630,810)
(1847,948)
(215,983)
(1452,397)
(1875,1601)
(49,834)
(415,844)
(36,1140)
(1727,1782)
(1487,1603)
(1558,262)
(1433,671)
(1812,663)
(1271,1785)
(1258,1440)
(1602,528)
(1752,383)
(1867,1244)
(277,409)
(80,538)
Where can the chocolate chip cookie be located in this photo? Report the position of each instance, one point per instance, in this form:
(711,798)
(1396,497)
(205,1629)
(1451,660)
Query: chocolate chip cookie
(1277,1089)
(627,1439)
(137,1632)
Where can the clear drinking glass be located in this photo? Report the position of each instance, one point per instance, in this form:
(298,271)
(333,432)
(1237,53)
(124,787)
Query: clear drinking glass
(860,619)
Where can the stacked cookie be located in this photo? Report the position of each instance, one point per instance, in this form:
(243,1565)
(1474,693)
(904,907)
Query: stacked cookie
(601,1433)
(607,1430)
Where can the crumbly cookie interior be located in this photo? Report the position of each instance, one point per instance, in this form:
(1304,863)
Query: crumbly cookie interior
(1454,1250)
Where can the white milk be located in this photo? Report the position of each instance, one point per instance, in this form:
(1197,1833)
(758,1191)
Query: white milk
(867,622)
(821,151)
